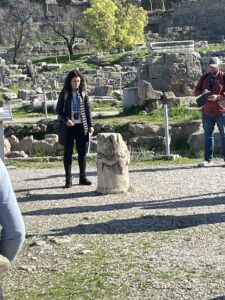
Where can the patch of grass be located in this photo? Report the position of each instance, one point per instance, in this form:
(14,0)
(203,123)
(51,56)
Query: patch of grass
(209,48)
(81,60)
(47,39)
(138,114)
(44,153)
(14,89)
(142,161)
(78,60)
(168,276)
(24,112)
(23,164)
(97,106)
(178,113)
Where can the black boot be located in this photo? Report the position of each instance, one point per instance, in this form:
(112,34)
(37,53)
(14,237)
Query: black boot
(84,181)
(68,183)
(82,165)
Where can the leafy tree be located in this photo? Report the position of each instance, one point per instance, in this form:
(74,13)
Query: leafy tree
(131,21)
(99,23)
(111,23)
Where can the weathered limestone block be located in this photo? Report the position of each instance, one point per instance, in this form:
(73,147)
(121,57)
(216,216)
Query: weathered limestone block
(7,146)
(137,130)
(13,140)
(185,129)
(146,92)
(196,140)
(24,94)
(16,154)
(51,138)
(173,66)
(43,145)
(52,67)
(130,97)
(26,144)
(9,96)
(149,142)
(112,161)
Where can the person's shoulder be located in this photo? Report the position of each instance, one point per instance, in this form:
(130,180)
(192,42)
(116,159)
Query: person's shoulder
(61,93)
(205,75)
(220,74)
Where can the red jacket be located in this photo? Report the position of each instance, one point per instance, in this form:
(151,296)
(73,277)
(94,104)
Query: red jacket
(212,108)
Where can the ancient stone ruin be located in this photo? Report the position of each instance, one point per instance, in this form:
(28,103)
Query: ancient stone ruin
(172,66)
(112,163)
(169,76)
(191,19)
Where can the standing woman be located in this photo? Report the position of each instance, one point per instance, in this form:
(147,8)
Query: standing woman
(74,110)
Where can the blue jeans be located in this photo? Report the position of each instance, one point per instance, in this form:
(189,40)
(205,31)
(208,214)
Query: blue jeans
(11,221)
(208,126)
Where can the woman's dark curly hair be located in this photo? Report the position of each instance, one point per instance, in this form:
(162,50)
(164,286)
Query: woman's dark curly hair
(69,77)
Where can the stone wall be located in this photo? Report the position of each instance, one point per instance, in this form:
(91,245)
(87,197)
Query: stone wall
(197,20)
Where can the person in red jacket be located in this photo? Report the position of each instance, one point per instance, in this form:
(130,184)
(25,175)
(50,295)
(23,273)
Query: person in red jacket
(213,111)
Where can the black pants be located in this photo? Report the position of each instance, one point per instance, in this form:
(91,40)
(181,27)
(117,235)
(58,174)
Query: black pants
(76,133)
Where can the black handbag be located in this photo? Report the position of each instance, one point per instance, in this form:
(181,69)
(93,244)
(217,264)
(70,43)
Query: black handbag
(202,99)
(63,128)
(63,132)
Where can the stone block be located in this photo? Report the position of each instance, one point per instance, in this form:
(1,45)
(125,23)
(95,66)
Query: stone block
(196,140)
(130,97)
(137,130)
(26,144)
(172,47)
(146,92)
(112,161)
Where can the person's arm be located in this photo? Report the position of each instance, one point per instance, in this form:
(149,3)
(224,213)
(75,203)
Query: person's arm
(13,228)
(199,89)
(220,92)
(60,107)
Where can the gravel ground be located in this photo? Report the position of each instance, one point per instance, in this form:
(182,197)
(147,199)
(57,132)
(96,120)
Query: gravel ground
(163,239)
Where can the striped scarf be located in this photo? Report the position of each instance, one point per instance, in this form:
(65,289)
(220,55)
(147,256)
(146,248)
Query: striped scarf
(82,112)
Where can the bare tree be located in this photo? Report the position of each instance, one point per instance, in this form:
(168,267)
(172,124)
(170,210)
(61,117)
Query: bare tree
(67,28)
(16,21)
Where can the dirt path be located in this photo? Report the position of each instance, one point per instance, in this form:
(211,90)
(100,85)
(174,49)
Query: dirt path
(164,239)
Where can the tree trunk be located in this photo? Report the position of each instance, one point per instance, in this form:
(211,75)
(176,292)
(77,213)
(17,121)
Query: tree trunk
(150,2)
(17,44)
(70,48)
(15,55)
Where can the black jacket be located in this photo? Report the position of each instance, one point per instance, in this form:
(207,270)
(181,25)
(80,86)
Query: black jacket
(63,108)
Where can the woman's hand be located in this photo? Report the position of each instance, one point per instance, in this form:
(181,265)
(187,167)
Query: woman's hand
(69,123)
(91,130)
